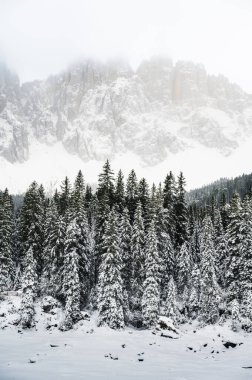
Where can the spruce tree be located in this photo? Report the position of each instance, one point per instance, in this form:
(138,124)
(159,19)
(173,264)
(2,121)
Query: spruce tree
(65,197)
(132,196)
(110,284)
(181,215)
(233,246)
(120,193)
(71,275)
(171,309)
(29,283)
(245,269)
(210,292)
(165,249)
(106,186)
(144,197)
(32,224)
(151,292)
(125,232)
(169,196)
(138,259)
(184,267)
(53,252)
(7,265)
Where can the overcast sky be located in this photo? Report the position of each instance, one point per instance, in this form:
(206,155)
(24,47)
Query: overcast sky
(41,37)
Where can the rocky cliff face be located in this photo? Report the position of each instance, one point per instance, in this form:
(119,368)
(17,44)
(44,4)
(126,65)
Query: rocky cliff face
(100,110)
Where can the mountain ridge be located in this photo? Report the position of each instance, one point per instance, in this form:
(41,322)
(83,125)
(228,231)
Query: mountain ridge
(105,110)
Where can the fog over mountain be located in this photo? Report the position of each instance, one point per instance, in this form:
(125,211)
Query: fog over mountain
(93,111)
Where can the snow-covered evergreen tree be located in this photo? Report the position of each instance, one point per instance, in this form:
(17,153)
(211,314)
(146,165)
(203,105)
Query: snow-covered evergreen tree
(144,198)
(29,285)
(169,196)
(138,259)
(110,284)
(7,266)
(209,289)
(120,193)
(184,267)
(151,292)
(171,309)
(53,252)
(132,196)
(233,246)
(165,249)
(125,232)
(71,275)
(181,214)
(32,223)
(245,249)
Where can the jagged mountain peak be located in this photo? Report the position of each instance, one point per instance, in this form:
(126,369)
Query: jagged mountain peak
(100,110)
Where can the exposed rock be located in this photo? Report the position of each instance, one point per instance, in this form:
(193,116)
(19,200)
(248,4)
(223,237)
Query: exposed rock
(93,109)
(230,344)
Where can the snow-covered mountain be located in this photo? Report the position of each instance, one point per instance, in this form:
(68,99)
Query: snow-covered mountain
(94,111)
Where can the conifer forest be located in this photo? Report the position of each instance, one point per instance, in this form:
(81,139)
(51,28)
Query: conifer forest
(129,251)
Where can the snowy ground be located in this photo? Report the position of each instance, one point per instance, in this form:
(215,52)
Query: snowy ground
(89,353)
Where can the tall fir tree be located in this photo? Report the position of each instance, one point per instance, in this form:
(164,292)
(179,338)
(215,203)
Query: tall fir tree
(132,196)
(120,193)
(233,246)
(181,214)
(7,265)
(29,290)
(245,269)
(169,196)
(151,293)
(138,259)
(171,309)
(144,197)
(210,292)
(184,267)
(71,274)
(110,284)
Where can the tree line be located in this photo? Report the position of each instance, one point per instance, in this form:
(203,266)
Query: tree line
(130,251)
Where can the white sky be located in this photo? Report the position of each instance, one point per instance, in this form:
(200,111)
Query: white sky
(41,37)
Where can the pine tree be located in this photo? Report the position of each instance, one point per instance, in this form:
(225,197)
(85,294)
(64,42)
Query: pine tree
(210,294)
(235,315)
(220,243)
(110,285)
(171,309)
(144,197)
(195,242)
(151,293)
(106,186)
(153,207)
(29,283)
(181,215)
(165,249)
(32,223)
(71,275)
(233,245)
(125,232)
(169,195)
(138,259)
(82,235)
(120,193)
(184,267)
(106,197)
(53,252)
(7,266)
(132,196)
(77,195)
(245,249)
(65,197)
